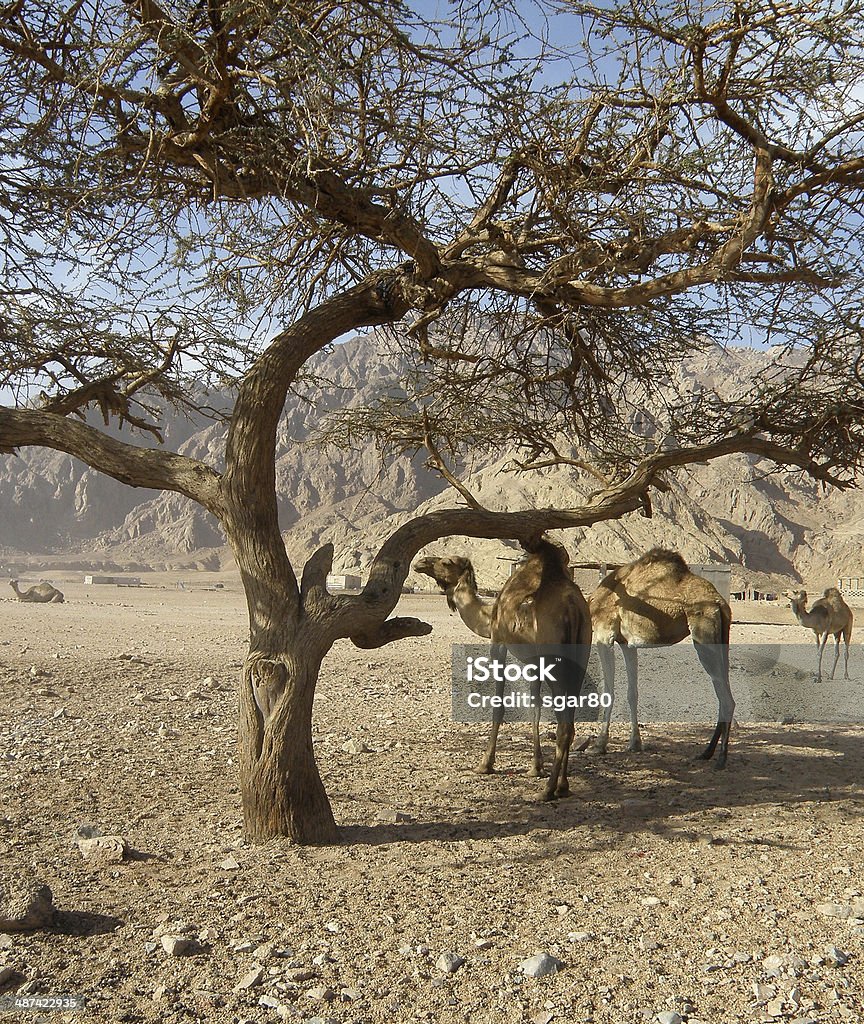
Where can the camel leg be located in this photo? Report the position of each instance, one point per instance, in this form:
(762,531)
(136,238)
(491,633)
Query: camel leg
(631,663)
(715,660)
(559,783)
(820,648)
(537,767)
(606,654)
(487,762)
(847,637)
(836,653)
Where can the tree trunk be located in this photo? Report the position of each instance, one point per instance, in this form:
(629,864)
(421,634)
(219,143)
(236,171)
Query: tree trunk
(282,791)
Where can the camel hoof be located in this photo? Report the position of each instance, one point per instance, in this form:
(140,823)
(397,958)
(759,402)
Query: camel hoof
(536,773)
(562,793)
(483,769)
(596,749)
(636,748)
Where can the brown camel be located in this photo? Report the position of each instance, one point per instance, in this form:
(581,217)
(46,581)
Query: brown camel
(42,593)
(538,605)
(657,601)
(829,614)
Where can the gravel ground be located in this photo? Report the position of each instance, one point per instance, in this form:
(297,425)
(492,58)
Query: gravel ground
(664,889)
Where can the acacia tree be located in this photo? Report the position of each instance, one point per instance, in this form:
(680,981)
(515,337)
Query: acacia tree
(552,203)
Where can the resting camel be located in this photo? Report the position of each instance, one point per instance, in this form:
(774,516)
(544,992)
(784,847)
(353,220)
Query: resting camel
(539,604)
(829,614)
(657,601)
(42,593)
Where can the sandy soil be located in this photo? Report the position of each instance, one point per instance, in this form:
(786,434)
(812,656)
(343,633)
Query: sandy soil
(662,885)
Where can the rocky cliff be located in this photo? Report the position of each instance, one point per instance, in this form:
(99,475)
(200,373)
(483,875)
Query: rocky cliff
(761,520)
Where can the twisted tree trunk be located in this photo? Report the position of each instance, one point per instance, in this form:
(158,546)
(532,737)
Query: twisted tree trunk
(282,791)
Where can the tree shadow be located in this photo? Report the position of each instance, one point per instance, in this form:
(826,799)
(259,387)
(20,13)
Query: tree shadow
(665,791)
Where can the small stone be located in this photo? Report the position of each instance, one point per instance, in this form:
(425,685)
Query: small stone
(651,901)
(838,910)
(774,1008)
(176,945)
(6,973)
(669,1017)
(540,965)
(542,1018)
(270,1002)
(249,980)
(246,946)
(333,926)
(298,974)
(838,956)
(773,962)
(321,993)
(580,936)
(449,963)
(25,903)
(230,863)
(354,746)
(102,850)
(351,995)
(764,992)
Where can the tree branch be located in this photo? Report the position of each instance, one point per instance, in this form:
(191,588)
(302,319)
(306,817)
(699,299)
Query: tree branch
(130,464)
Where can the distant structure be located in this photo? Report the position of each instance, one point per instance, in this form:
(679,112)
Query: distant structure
(851,586)
(117,581)
(338,583)
(751,593)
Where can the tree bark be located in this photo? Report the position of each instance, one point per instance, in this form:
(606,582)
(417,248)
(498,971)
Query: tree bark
(281,788)
(282,791)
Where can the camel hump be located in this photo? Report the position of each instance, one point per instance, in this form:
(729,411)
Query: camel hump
(832,592)
(664,557)
(554,559)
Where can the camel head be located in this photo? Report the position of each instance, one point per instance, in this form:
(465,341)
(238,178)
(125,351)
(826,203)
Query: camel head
(447,572)
(798,597)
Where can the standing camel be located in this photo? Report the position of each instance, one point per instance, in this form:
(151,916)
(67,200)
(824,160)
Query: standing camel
(829,614)
(42,593)
(657,601)
(538,605)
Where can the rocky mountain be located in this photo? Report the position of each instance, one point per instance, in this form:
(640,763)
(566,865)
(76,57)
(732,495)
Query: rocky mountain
(53,509)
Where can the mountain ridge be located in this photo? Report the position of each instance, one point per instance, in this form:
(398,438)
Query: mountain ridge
(765,522)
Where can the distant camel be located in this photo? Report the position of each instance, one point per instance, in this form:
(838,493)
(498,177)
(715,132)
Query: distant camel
(539,604)
(829,614)
(657,601)
(42,593)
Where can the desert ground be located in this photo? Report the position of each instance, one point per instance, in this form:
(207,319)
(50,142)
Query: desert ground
(667,890)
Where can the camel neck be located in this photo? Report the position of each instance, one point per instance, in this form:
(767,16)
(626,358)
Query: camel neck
(475,613)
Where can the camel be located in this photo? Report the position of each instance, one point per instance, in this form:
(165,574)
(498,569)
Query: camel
(828,614)
(538,605)
(42,593)
(657,601)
